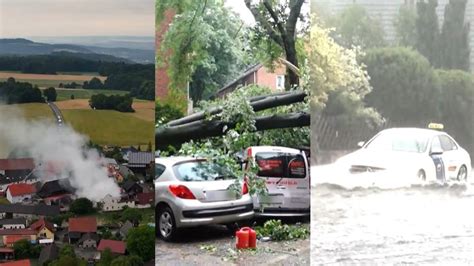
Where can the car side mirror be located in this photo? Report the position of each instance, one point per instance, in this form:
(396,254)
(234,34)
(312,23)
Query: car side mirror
(360,144)
(436,151)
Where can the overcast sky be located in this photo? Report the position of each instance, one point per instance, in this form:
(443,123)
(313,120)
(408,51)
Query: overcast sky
(24,18)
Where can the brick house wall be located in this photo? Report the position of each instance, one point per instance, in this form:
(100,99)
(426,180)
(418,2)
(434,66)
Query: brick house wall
(161,77)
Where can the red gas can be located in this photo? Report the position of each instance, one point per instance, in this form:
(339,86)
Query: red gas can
(242,239)
(250,235)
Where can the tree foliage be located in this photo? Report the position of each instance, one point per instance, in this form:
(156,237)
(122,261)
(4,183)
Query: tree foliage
(50,94)
(165,113)
(141,242)
(405,89)
(25,250)
(457,105)
(121,103)
(205,40)
(354,27)
(454,39)
(127,261)
(82,206)
(405,26)
(427,30)
(276,28)
(13,92)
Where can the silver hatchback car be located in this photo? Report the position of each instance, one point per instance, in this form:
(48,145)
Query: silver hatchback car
(192,192)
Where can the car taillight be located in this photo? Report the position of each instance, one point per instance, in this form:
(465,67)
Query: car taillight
(181,191)
(245,187)
(249,152)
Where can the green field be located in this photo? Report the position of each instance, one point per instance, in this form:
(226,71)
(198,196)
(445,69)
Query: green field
(107,127)
(65,94)
(31,111)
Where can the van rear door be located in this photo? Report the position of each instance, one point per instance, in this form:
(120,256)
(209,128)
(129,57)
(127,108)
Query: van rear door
(287,179)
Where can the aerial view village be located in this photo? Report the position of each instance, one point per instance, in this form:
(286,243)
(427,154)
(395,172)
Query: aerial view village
(47,223)
(76,134)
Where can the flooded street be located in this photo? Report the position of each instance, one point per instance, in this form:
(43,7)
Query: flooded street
(411,224)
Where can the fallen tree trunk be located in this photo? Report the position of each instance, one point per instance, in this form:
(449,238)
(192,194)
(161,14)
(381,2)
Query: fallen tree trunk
(201,129)
(258,103)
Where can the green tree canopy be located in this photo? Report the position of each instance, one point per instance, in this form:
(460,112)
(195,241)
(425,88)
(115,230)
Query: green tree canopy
(355,27)
(427,30)
(405,26)
(405,88)
(50,94)
(141,242)
(454,41)
(205,40)
(82,206)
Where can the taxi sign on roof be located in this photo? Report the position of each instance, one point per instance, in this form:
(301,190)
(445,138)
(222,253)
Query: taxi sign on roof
(436,126)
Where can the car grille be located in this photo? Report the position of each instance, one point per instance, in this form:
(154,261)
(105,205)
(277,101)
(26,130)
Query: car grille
(357,169)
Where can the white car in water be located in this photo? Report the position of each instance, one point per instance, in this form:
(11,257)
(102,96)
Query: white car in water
(423,154)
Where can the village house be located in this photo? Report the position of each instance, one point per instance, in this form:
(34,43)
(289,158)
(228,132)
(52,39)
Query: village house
(25,262)
(10,236)
(6,254)
(79,226)
(16,223)
(110,203)
(115,246)
(17,193)
(123,231)
(48,254)
(131,188)
(16,167)
(88,240)
(43,229)
(126,152)
(145,200)
(6,181)
(57,192)
(30,212)
(260,75)
(140,162)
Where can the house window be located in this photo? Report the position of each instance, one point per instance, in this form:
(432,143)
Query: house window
(280,82)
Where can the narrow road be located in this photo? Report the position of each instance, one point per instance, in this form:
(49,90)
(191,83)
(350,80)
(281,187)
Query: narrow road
(57,113)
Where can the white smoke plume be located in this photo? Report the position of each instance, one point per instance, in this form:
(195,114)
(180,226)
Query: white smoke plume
(46,142)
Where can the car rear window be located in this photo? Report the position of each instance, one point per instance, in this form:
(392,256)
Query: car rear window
(159,169)
(201,171)
(279,164)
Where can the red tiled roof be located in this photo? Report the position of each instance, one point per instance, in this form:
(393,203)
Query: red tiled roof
(40,224)
(17,164)
(25,231)
(6,250)
(117,247)
(12,239)
(83,224)
(21,189)
(145,198)
(17,263)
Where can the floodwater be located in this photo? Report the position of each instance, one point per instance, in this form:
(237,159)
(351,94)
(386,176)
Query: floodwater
(403,224)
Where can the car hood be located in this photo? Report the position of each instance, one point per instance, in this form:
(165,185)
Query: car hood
(379,159)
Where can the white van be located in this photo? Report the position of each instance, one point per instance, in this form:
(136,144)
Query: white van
(287,178)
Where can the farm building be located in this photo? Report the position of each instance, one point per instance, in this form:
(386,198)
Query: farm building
(88,240)
(16,223)
(16,167)
(22,192)
(28,211)
(10,236)
(115,246)
(131,188)
(110,203)
(140,161)
(79,226)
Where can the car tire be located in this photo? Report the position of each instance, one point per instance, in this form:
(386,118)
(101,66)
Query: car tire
(165,223)
(421,174)
(462,173)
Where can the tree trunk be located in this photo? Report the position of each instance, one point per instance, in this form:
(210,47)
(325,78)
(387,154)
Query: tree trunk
(201,129)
